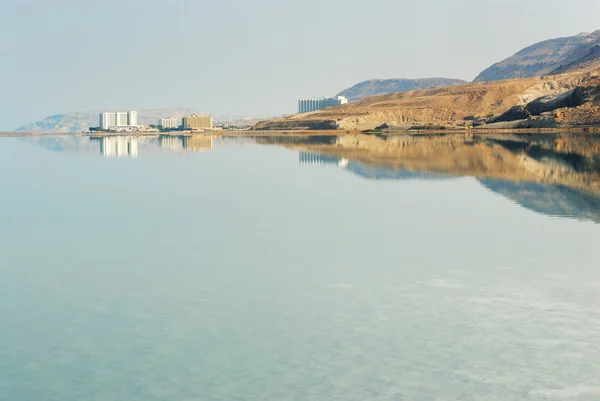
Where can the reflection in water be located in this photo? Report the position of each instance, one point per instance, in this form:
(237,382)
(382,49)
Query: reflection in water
(364,170)
(312,159)
(551,200)
(119,146)
(170,142)
(192,143)
(383,173)
(197,143)
(556,175)
(221,277)
(113,146)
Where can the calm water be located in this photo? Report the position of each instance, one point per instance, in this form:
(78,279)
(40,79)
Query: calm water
(229,270)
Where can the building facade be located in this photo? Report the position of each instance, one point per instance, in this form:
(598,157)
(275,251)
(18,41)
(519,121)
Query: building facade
(308,105)
(195,122)
(169,122)
(118,120)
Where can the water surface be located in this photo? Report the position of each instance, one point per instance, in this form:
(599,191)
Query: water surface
(159,269)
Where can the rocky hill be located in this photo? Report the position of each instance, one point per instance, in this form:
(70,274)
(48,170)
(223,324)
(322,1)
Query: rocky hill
(590,59)
(375,87)
(543,58)
(566,100)
(77,122)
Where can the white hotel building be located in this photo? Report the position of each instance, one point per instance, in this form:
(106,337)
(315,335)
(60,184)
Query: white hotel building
(169,122)
(118,120)
(308,105)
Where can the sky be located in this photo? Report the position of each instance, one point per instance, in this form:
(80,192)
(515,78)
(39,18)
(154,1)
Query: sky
(251,58)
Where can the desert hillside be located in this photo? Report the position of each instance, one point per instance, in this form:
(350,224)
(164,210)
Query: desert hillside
(375,87)
(543,58)
(565,100)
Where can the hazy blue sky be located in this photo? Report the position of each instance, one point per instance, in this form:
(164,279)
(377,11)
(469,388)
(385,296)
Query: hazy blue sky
(234,57)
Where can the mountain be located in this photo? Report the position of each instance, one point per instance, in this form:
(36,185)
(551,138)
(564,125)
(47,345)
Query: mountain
(590,57)
(382,86)
(77,122)
(542,58)
(566,100)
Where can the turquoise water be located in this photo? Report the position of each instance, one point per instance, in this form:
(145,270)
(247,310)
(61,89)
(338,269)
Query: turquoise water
(249,272)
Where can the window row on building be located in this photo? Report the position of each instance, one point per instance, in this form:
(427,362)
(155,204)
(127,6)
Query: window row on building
(308,105)
(119,119)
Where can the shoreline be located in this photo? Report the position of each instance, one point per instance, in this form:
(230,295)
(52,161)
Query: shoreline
(311,133)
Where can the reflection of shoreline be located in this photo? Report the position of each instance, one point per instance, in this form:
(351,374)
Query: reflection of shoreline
(571,161)
(555,175)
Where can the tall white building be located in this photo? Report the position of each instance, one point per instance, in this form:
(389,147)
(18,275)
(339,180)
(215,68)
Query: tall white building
(132,118)
(308,105)
(118,120)
(169,122)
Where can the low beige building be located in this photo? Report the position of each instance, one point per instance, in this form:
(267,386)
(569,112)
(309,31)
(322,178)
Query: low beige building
(197,122)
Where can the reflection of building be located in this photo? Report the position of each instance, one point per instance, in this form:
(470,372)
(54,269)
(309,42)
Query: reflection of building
(189,142)
(169,122)
(119,146)
(308,105)
(197,142)
(313,159)
(197,122)
(118,120)
(171,142)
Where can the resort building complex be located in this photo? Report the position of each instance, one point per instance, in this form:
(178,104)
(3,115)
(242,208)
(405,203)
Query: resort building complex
(169,122)
(118,120)
(196,122)
(308,105)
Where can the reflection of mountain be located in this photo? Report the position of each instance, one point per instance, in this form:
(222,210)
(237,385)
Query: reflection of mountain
(548,199)
(66,143)
(560,173)
(383,173)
